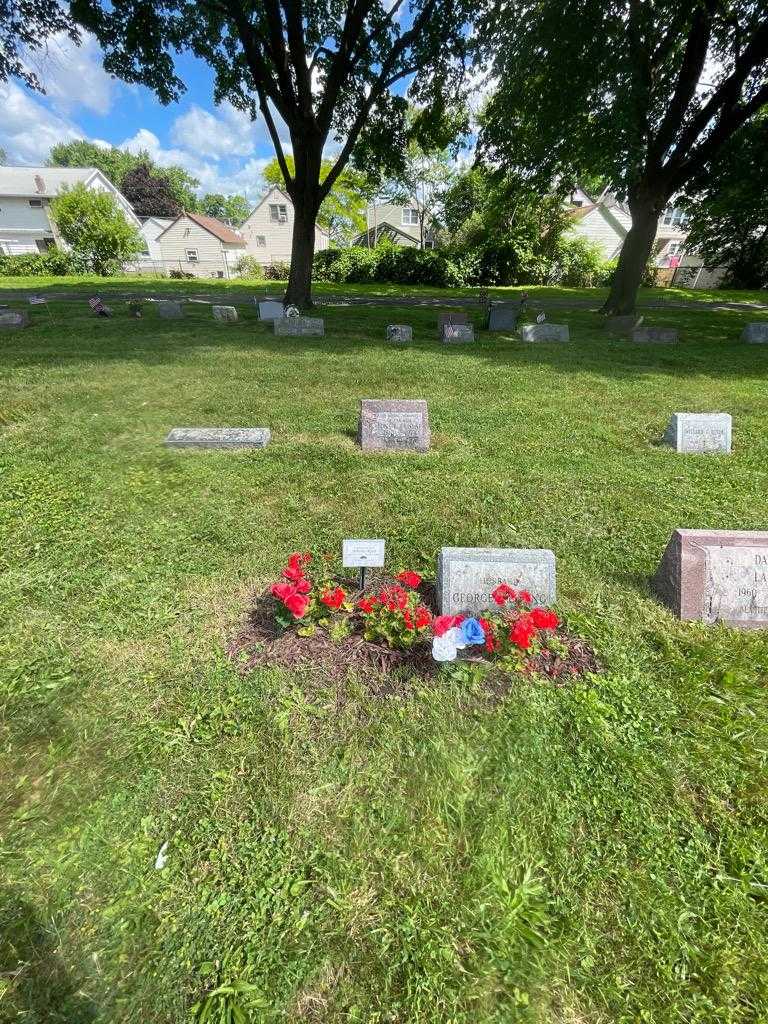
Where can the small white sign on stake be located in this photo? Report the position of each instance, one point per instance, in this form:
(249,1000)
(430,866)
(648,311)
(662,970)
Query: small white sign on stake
(362,553)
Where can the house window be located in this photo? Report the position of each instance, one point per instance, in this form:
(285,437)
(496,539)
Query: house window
(278,212)
(43,244)
(674,249)
(192,256)
(410,216)
(37,203)
(261,241)
(674,217)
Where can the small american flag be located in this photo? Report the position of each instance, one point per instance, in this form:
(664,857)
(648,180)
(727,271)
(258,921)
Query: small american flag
(37,300)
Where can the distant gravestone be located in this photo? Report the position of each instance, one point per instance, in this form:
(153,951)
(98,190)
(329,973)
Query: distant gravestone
(716,576)
(655,335)
(503,316)
(218,437)
(304,326)
(169,309)
(466,576)
(13,319)
(446,319)
(755,334)
(623,324)
(458,334)
(224,314)
(269,310)
(545,332)
(393,425)
(699,432)
(399,333)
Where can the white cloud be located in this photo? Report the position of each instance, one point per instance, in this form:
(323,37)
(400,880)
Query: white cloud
(28,129)
(73,76)
(231,133)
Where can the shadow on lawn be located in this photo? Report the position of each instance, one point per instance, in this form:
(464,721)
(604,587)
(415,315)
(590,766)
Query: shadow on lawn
(38,987)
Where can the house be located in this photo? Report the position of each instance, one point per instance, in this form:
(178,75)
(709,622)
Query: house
(25,196)
(201,246)
(151,229)
(397,223)
(268,231)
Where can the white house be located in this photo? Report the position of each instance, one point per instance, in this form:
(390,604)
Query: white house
(397,223)
(268,231)
(25,196)
(151,229)
(201,246)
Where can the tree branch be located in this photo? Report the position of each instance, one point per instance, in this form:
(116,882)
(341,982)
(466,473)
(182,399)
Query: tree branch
(298,53)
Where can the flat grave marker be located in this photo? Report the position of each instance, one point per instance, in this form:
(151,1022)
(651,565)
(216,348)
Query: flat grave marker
(271,310)
(393,425)
(466,576)
(458,334)
(755,334)
(224,314)
(708,432)
(655,335)
(399,332)
(716,576)
(13,319)
(218,437)
(301,326)
(545,332)
(169,309)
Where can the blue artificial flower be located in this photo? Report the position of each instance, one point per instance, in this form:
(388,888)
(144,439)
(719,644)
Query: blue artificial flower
(472,632)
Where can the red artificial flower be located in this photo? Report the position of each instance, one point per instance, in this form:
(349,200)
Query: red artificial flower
(525,596)
(544,618)
(503,593)
(367,605)
(522,633)
(293,573)
(408,619)
(443,623)
(297,604)
(410,579)
(333,598)
(281,590)
(423,617)
(299,559)
(303,586)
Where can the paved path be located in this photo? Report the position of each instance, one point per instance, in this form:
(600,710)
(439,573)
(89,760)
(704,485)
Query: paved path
(416,301)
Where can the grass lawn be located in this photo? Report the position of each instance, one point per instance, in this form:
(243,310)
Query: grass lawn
(589,854)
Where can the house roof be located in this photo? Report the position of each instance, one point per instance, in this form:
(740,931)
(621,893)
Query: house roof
(36,182)
(580,212)
(375,230)
(212,226)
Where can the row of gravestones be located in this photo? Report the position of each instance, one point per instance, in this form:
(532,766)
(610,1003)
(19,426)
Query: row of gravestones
(403,425)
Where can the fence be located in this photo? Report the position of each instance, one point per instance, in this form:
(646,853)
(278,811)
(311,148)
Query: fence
(216,268)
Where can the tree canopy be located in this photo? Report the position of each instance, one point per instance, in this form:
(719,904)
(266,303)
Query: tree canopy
(234,208)
(149,194)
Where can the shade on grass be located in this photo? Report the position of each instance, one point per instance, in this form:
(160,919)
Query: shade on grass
(595,853)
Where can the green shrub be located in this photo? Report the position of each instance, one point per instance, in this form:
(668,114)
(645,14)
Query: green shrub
(249,267)
(278,271)
(53,263)
(576,263)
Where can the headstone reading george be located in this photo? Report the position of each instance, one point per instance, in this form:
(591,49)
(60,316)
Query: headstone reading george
(399,332)
(13,319)
(545,332)
(269,310)
(444,319)
(304,326)
(458,334)
(699,432)
(716,576)
(504,316)
(170,309)
(224,314)
(218,437)
(755,334)
(655,335)
(623,324)
(466,576)
(393,425)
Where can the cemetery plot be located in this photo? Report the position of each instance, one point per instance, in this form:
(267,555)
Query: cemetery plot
(716,576)
(218,437)
(467,577)
(450,319)
(393,425)
(699,432)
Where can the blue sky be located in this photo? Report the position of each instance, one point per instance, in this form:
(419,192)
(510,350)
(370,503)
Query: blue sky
(218,145)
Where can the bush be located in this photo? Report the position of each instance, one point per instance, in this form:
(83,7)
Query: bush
(577,263)
(389,263)
(249,267)
(53,263)
(278,271)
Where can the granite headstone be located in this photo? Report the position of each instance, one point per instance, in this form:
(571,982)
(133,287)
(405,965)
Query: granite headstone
(503,316)
(271,310)
(450,318)
(224,314)
(393,425)
(716,576)
(545,332)
(303,326)
(399,332)
(169,309)
(466,576)
(699,432)
(218,437)
(13,319)
(655,335)
(756,333)
(458,334)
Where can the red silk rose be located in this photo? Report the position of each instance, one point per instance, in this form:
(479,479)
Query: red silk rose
(410,579)
(333,598)
(297,604)
(503,593)
(544,618)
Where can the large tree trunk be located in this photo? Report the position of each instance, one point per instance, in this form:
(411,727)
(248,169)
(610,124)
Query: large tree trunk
(306,202)
(645,207)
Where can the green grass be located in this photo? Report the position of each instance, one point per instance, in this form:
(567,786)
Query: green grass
(245,290)
(579,855)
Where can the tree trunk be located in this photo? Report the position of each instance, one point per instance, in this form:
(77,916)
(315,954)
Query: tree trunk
(299,291)
(645,208)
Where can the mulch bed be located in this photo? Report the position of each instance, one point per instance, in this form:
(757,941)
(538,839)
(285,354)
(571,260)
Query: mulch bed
(261,643)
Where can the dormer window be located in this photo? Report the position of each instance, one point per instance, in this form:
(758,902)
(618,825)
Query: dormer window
(278,212)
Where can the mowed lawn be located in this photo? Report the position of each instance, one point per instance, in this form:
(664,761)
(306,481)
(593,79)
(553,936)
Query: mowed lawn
(571,855)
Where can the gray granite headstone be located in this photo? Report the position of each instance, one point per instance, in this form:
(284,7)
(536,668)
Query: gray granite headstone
(458,334)
(716,576)
(303,326)
(224,314)
(450,318)
(218,437)
(545,332)
(623,324)
(269,310)
(756,334)
(466,576)
(699,432)
(393,425)
(13,319)
(399,332)
(503,316)
(655,335)
(169,309)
